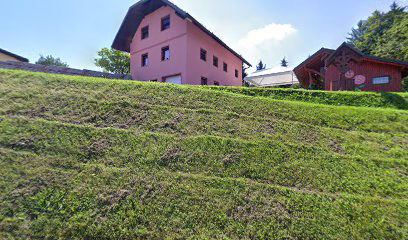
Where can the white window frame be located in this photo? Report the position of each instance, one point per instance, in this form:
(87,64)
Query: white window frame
(381,80)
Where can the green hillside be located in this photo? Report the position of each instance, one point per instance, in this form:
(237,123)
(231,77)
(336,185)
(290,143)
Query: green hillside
(358,99)
(86,158)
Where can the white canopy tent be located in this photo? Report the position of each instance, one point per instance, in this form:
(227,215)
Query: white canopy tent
(272,77)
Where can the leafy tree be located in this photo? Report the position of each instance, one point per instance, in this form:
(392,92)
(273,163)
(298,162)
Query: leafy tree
(383,34)
(260,66)
(284,62)
(51,61)
(113,61)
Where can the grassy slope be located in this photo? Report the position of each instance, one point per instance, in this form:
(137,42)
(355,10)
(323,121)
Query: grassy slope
(359,99)
(85,157)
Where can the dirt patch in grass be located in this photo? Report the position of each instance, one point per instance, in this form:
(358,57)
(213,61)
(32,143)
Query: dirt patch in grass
(23,144)
(336,147)
(37,113)
(252,209)
(308,136)
(96,148)
(231,159)
(171,156)
(112,198)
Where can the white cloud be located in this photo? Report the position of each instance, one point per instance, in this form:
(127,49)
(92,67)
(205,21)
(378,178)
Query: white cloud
(271,32)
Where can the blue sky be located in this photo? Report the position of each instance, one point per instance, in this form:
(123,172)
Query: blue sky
(75,30)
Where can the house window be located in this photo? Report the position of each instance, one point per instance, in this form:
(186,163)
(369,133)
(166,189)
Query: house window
(165,23)
(145,32)
(381,80)
(225,67)
(236,73)
(204,81)
(166,53)
(215,61)
(203,54)
(216,83)
(145,60)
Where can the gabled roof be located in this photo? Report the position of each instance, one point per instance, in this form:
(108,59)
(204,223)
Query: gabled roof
(316,61)
(330,58)
(321,51)
(143,8)
(22,59)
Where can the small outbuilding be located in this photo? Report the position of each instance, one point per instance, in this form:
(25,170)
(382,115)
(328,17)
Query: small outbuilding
(349,69)
(8,56)
(272,77)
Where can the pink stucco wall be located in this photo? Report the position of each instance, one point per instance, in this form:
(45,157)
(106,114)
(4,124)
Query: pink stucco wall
(175,38)
(197,68)
(185,41)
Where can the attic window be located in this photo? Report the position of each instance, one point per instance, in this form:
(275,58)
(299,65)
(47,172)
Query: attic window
(236,73)
(145,32)
(165,23)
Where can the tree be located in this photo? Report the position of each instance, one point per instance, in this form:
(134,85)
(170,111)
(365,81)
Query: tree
(260,66)
(244,75)
(369,32)
(394,43)
(383,34)
(356,33)
(284,62)
(113,61)
(51,61)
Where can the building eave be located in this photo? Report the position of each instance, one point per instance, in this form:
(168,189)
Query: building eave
(22,59)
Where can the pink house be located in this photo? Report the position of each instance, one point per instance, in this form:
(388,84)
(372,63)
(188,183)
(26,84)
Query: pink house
(168,45)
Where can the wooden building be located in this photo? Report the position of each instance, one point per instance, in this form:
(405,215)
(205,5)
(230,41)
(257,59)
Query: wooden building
(349,69)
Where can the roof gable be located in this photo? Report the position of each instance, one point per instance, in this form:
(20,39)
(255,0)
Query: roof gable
(364,56)
(22,59)
(352,52)
(314,62)
(143,8)
(315,57)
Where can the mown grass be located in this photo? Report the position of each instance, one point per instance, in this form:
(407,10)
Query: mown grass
(360,99)
(86,158)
